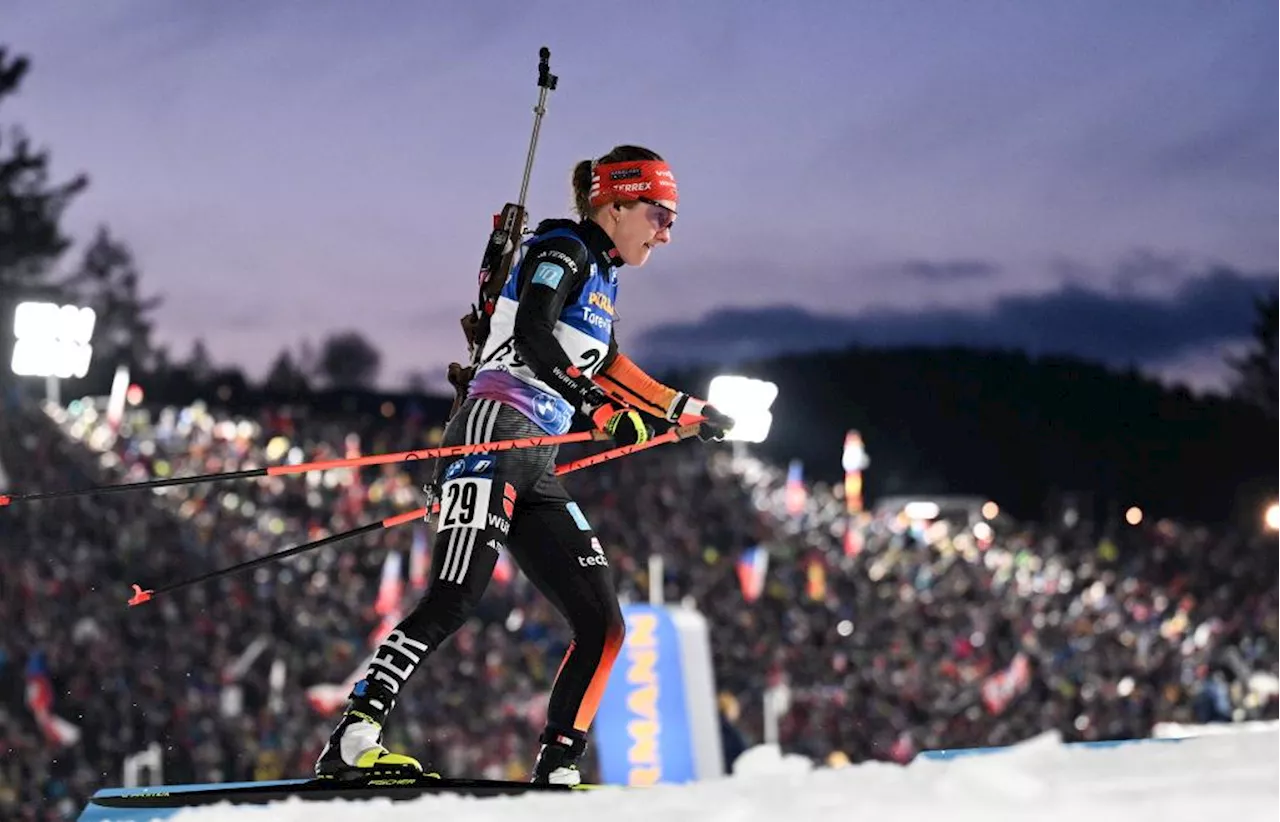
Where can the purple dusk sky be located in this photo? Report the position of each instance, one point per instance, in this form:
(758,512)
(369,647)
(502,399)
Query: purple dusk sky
(285,170)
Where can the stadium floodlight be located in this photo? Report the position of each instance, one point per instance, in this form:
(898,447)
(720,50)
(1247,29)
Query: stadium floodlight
(52,340)
(921,509)
(747,401)
(1271,517)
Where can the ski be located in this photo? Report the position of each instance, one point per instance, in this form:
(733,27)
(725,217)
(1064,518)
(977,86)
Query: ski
(176,797)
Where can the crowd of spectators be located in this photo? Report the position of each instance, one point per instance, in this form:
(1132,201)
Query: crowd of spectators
(922,636)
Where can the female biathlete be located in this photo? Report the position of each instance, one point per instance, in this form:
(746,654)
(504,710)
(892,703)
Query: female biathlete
(550,354)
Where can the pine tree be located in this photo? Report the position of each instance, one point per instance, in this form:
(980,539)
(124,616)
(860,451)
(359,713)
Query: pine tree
(1256,371)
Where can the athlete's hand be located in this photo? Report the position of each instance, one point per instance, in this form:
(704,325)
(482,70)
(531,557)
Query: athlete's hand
(686,410)
(715,426)
(624,425)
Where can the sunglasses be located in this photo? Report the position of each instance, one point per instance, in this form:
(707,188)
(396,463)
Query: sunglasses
(664,217)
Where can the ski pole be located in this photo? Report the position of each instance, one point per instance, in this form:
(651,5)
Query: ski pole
(141,595)
(326,465)
(670,435)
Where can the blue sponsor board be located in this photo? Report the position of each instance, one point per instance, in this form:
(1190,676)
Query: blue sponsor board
(642,731)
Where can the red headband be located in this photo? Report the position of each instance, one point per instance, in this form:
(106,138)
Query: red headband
(631,180)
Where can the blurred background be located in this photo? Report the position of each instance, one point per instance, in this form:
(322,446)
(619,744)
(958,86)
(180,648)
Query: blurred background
(1011,271)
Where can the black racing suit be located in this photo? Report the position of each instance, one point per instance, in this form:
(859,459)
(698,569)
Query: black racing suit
(551,332)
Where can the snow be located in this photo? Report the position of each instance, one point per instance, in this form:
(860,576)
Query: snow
(1232,777)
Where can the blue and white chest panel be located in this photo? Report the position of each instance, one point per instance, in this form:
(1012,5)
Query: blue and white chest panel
(583,329)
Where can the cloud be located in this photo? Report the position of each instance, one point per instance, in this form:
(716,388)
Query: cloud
(1145,270)
(1232,148)
(1117,329)
(947,270)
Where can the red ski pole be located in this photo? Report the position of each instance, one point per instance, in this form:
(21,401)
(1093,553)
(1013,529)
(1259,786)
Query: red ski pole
(141,595)
(325,465)
(670,435)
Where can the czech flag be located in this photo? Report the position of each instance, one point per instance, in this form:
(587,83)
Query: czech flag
(795,494)
(419,561)
(391,588)
(56,730)
(752,567)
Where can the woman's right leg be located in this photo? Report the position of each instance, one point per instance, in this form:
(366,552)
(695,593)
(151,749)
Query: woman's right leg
(560,554)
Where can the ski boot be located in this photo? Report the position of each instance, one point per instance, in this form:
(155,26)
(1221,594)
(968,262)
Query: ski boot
(558,759)
(354,749)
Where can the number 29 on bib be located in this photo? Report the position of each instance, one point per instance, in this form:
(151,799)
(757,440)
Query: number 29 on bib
(464,494)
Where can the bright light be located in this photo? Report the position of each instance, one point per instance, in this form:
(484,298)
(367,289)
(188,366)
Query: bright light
(990,510)
(747,401)
(1272,517)
(276,448)
(854,457)
(982,531)
(52,340)
(1133,516)
(119,394)
(921,510)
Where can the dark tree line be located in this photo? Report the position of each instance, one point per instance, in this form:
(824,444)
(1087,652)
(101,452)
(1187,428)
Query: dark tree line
(344,360)
(1026,431)
(1256,369)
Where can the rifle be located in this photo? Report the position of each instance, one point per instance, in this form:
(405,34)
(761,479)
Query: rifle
(509,226)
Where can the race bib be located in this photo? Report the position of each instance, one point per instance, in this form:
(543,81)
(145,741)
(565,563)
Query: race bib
(464,494)
(464,503)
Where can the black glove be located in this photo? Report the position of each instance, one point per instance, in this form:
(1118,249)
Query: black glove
(686,409)
(716,424)
(624,425)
